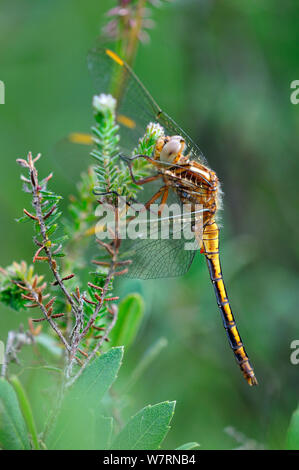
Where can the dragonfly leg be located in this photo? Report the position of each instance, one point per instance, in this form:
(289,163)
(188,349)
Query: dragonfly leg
(210,244)
(149,159)
(143,180)
(163,201)
(108,193)
(161,192)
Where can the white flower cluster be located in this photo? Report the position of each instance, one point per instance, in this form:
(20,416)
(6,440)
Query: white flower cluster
(102,103)
(154,128)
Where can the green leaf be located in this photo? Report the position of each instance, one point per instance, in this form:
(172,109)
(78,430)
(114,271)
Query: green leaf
(51,230)
(11,296)
(103,432)
(97,378)
(50,195)
(188,446)
(76,424)
(53,217)
(26,410)
(13,434)
(130,314)
(147,429)
(293,432)
(23,219)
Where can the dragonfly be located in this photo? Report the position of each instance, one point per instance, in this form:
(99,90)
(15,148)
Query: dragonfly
(182,169)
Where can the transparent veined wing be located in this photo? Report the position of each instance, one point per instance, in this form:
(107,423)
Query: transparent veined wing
(159,259)
(162,246)
(151,258)
(136,107)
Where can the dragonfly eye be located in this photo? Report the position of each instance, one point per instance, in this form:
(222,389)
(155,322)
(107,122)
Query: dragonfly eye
(170,150)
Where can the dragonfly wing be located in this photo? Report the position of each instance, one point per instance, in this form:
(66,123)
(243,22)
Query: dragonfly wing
(159,258)
(136,107)
(160,246)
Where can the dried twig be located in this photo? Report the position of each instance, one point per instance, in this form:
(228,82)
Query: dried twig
(15,341)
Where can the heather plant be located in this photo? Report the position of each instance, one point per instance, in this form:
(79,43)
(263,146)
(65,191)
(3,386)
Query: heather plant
(78,328)
(78,316)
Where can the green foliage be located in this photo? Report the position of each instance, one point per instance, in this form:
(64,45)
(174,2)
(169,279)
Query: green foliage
(98,377)
(147,429)
(82,422)
(79,223)
(10,279)
(77,425)
(103,432)
(51,214)
(292,442)
(146,144)
(112,173)
(225,76)
(26,410)
(106,142)
(130,313)
(13,433)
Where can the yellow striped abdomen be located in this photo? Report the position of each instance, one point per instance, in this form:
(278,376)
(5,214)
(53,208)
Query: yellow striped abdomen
(210,248)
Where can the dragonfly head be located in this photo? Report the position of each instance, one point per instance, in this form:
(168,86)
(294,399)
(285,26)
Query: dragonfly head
(169,149)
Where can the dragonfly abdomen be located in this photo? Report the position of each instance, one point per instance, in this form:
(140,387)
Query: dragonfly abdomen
(210,244)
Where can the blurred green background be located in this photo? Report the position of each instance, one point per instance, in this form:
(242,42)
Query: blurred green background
(223,71)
